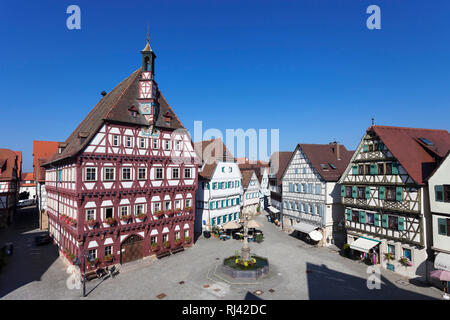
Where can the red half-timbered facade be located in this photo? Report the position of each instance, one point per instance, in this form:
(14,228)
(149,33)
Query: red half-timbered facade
(122,186)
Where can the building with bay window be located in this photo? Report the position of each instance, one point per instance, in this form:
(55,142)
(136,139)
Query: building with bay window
(122,186)
(311,195)
(251,193)
(385,196)
(219,194)
(277,164)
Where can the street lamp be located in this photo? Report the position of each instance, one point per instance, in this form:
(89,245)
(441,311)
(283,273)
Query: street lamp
(77,262)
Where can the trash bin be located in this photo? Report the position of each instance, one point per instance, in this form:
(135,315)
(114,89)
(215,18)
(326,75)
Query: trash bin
(9,248)
(207,234)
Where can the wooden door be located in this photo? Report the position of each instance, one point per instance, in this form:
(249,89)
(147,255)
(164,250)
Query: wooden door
(132,249)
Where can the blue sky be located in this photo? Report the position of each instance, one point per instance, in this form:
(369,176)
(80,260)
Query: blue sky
(309,68)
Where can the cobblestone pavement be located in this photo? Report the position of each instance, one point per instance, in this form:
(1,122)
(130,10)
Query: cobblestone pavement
(297,271)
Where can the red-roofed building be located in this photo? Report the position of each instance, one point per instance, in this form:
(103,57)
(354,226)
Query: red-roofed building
(385,195)
(122,186)
(28,184)
(9,185)
(311,195)
(42,151)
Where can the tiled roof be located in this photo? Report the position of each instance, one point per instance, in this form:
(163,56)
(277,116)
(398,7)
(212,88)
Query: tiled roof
(210,152)
(19,163)
(278,163)
(418,158)
(114,107)
(324,156)
(246,177)
(42,150)
(8,159)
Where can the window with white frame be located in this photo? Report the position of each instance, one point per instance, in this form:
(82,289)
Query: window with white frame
(155,143)
(142,173)
(165,237)
(156,207)
(140,209)
(124,210)
(177,204)
(108,250)
(187,173)
(188,202)
(128,141)
(126,174)
(90,214)
(153,240)
(91,174)
(175,173)
(115,140)
(166,144)
(92,254)
(159,173)
(186,233)
(167,205)
(142,142)
(109,212)
(177,145)
(109,174)
(177,235)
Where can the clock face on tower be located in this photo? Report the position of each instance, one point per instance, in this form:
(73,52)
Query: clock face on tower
(146,108)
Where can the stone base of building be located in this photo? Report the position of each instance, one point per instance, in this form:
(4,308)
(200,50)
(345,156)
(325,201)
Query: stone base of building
(43,220)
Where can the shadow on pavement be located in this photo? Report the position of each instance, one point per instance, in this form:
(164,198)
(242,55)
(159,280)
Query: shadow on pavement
(328,284)
(28,262)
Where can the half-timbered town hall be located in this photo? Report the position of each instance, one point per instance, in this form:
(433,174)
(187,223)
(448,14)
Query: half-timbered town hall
(122,185)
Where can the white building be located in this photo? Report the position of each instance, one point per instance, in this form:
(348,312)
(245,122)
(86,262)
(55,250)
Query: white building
(28,184)
(311,196)
(439,190)
(251,197)
(277,164)
(219,194)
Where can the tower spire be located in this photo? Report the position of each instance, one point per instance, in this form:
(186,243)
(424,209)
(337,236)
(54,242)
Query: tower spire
(148,56)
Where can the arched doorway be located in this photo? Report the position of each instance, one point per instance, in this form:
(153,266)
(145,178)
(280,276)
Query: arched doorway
(132,249)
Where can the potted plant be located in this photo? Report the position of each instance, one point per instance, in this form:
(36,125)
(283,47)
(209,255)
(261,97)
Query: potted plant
(187,239)
(159,214)
(125,218)
(166,244)
(178,242)
(177,211)
(388,256)
(259,238)
(109,258)
(406,262)
(91,223)
(93,262)
(155,247)
(140,217)
(170,213)
(110,221)
(188,209)
(346,250)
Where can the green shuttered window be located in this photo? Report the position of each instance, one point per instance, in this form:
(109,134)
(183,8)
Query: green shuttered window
(384,220)
(399,193)
(362,217)
(354,169)
(442,227)
(349,214)
(376,219)
(394,168)
(373,168)
(401,223)
(365,148)
(354,192)
(439,193)
(342,191)
(382,193)
(367,192)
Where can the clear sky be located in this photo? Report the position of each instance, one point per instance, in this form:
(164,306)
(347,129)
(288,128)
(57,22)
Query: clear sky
(309,68)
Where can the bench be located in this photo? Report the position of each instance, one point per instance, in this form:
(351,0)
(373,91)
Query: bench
(163,254)
(91,275)
(177,250)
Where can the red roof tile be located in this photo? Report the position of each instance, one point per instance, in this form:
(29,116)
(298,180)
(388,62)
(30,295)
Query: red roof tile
(42,150)
(418,158)
(8,160)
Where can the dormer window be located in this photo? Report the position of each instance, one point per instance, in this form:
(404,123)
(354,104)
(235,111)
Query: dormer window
(167,117)
(133,111)
(426,141)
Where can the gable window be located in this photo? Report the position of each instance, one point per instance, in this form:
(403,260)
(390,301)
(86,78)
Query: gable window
(166,145)
(381,168)
(91,174)
(367,169)
(142,173)
(178,145)
(115,140)
(388,167)
(126,174)
(110,174)
(159,173)
(360,169)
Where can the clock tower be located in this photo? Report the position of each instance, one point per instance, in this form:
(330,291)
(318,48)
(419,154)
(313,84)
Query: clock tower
(148,88)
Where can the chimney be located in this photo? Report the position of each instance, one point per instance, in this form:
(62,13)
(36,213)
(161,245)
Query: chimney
(103,93)
(335,147)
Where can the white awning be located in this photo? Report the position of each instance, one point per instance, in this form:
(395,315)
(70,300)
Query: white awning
(304,227)
(363,244)
(315,235)
(442,261)
(274,210)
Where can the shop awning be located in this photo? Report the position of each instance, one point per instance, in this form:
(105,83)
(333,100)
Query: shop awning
(363,244)
(304,227)
(442,261)
(274,210)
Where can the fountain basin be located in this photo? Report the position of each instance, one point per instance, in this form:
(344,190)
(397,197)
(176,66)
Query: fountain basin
(253,271)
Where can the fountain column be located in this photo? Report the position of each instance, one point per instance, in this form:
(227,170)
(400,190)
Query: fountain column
(245,251)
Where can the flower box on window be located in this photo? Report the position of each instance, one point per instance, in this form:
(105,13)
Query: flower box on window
(109,258)
(170,213)
(125,218)
(188,209)
(140,217)
(91,223)
(159,213)
(187,239)
(155,247)
(178,242)
(406,262)
(93,262)
(110,221)
(166,244)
